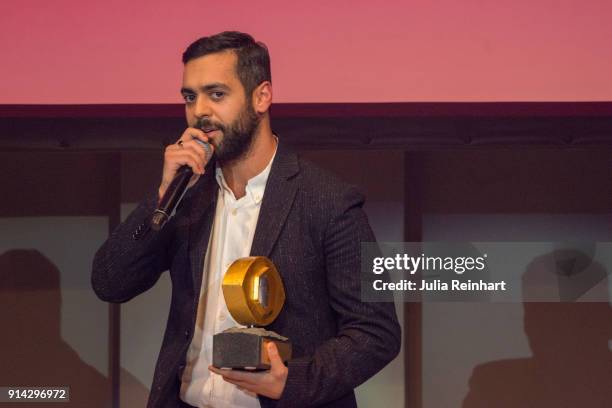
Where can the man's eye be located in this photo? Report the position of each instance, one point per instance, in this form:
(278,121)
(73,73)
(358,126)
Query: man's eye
(217,95)
(189,98)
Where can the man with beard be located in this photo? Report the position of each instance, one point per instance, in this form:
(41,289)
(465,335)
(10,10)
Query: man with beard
(255,197)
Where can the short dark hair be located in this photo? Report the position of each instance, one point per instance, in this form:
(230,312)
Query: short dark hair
(253,65)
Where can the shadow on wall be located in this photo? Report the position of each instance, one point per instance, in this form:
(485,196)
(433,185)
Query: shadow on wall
(571,364)
(32,352)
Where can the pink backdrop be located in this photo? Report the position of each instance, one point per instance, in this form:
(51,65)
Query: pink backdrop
(76,51)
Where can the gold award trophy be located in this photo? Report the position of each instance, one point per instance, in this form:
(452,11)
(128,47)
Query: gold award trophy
(254,295)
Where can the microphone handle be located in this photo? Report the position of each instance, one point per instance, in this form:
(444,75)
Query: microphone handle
(171,197)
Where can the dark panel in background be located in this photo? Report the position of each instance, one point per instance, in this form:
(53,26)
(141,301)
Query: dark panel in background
(544,181)
(58,183)
(435,159)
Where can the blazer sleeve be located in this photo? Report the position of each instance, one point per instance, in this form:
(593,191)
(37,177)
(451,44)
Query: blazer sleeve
(368,335)
(133,257)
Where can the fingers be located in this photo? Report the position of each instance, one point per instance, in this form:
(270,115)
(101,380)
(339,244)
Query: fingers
(238,376)
(176,156)
(193,147)
(196,139)
(187,151)
(194,133)
(276,363)
(267,383)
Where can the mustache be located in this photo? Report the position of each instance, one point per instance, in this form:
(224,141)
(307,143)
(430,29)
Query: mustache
(207,124)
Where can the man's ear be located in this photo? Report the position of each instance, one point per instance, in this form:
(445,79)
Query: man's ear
(262,97)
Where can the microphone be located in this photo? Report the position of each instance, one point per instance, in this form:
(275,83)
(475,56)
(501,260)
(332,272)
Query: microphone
(174,192)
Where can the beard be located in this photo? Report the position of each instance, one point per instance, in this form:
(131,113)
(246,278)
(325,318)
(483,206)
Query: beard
(238,135)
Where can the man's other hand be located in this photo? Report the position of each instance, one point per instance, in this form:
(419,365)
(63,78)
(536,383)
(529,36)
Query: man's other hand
(269,383)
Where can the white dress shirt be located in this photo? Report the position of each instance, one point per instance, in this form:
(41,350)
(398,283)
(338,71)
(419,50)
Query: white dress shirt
(231,238)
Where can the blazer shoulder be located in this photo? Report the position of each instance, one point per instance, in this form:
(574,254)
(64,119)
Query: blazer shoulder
(322,180)
(326,191)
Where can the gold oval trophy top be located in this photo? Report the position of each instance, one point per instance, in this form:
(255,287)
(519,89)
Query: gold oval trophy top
(253,291)
(254,295)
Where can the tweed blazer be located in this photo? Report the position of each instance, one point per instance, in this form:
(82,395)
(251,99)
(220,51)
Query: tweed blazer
(311,226)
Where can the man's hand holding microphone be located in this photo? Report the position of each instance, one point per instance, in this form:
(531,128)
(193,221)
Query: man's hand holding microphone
(184,163)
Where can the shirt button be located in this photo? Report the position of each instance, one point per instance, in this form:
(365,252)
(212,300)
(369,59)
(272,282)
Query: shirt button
(222,318)
(187,333)
(234,211)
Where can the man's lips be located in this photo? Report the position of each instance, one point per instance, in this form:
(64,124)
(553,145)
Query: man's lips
(210,132)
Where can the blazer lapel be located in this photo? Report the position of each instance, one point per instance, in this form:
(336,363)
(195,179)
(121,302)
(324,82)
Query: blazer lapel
(277,201)
(279,195)
(201,216)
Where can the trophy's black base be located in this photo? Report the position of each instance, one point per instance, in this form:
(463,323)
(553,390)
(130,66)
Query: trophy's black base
(245,349)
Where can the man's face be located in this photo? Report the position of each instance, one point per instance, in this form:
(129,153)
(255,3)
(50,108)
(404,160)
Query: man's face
(216,103)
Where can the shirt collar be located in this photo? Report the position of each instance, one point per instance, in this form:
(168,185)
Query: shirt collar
(256,185)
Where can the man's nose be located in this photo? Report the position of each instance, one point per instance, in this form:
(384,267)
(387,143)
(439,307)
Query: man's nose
(202,108)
